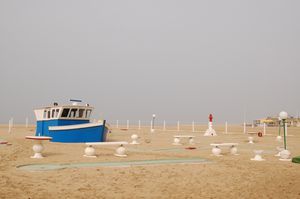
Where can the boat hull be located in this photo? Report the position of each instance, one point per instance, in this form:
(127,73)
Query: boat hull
(79,133)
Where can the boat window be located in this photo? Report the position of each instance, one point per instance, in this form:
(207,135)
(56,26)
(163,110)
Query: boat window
(88,113)
(81,111)
(56,112)
(49,114)
(65,112)
(73,112)
(45,114)
(53,112)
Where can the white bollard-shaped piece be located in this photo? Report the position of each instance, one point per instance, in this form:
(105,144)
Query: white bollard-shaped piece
(258,156)
(89,152)
(279,138)
(37,148)
(233,150)
(120,151)
(285,155)
(250,139)
(216,151)
(279,149)
(176,141)
(191,141)
(134,138)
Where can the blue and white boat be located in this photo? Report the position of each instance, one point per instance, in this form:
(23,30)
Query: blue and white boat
(69,123)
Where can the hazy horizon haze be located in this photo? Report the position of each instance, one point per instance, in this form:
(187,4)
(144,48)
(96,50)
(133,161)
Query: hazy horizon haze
(181,60)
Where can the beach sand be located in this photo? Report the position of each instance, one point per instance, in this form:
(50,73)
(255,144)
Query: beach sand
(228,176)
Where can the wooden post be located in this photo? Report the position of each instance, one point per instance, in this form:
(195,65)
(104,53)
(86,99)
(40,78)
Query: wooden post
(178,126)
(164,128)
(264,128)
(117,125)
(244,127)
(127,126)
(226,128)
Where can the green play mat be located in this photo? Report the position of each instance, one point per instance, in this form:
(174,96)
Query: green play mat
(296,160)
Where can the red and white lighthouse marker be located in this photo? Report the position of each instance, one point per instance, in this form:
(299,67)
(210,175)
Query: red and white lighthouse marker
(210,131)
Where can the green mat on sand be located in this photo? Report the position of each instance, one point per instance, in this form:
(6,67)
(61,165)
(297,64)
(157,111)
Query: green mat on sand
(296,160)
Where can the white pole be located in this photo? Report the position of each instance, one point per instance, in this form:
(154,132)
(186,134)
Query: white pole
(117,124)
(26,122)
(178,126)
(264,128)
(244,127)
(12,122)
(139,124)
(164,125)
(127,124)
(286,129)
(193,126)
(226,127)
(9,126)
(151,124)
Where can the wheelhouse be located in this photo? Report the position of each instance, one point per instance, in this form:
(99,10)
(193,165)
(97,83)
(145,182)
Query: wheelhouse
(64,113)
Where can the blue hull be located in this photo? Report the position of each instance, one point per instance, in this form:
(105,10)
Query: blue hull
(92,134)
(72,131)
(42,127)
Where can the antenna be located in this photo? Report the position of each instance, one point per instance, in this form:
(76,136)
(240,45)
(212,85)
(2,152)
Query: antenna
(75,100)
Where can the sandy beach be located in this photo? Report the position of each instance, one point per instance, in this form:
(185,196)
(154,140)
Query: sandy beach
(227,176)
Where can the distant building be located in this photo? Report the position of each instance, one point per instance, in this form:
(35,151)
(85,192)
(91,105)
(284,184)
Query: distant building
(273,121)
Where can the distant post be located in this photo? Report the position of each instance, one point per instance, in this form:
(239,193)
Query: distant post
(152,122)
(117,124)
(9,125)
(244,127)
(139,124)
(264,128)
(178,126)
(226,127)
(26,122)
(193,126)
(284,154)
(127,126)
(164,128)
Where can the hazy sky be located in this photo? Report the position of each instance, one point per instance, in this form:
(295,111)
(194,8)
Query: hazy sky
(179,59)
